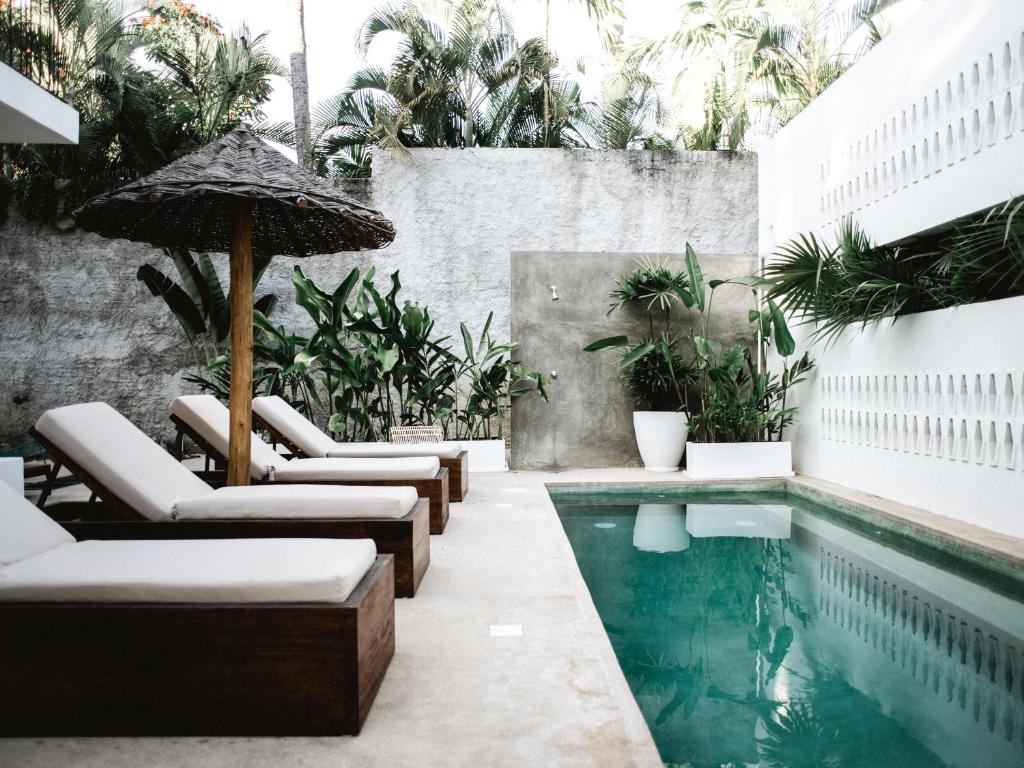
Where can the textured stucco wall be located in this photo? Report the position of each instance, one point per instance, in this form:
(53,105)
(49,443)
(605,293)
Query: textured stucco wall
(78,326)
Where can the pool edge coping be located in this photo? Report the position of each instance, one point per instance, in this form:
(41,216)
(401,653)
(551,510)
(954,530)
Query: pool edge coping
(989,549)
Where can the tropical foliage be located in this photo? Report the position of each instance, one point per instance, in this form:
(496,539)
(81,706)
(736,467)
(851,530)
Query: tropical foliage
(855,282)
(735,398)
(458,79)
(149,89)
(744,67)
(198,301)
(382,364)
(652,368)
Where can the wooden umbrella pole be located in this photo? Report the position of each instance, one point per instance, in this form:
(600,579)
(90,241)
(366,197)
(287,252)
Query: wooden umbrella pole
(240,401)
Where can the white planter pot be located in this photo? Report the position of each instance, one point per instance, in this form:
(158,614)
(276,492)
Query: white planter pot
(485,455)
(661,528)
(738,461)
(739,521)
(661,438)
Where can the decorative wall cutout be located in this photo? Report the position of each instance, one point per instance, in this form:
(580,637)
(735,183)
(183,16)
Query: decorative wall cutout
(976,670)
(961,416)
(971,110)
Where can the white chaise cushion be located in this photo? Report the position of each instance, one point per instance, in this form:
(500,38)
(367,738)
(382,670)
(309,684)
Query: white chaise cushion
(24,530)
(276,412)
(389,450)
(314,443)
(210,418)
(298,501)
(358,470)
(121,457)
(192,571)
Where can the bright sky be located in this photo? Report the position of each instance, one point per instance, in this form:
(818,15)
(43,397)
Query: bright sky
(333,25)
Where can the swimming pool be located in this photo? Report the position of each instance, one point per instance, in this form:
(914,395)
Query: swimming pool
(763,629)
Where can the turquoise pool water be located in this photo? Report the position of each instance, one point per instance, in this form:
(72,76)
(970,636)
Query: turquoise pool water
(767,631)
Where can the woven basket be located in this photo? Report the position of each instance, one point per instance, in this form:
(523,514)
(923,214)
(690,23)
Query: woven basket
(419,434)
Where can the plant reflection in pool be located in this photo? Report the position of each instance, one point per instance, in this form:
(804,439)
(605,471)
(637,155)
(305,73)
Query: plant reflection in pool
(745,644)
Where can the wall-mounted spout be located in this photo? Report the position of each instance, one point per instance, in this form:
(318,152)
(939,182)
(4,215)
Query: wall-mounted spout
(554,292)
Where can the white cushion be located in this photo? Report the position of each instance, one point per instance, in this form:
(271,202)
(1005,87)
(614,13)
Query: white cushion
(120,456)
(389,450)
(293,425)
(199,571)
(311,470)
(298,501)
(313,442)
(210,418)
(24,530)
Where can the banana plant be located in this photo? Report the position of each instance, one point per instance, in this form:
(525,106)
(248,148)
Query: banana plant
(198,301)
(494,380)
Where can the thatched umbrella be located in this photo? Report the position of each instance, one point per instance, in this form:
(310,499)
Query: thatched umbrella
(242,196)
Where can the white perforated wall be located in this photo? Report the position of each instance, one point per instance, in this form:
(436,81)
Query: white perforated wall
(927,128)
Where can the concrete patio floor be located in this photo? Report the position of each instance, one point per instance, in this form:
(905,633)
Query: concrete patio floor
(457,696)
(454,695)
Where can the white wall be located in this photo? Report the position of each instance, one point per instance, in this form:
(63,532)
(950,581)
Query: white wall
(31,115)
(928,411)
(927,128)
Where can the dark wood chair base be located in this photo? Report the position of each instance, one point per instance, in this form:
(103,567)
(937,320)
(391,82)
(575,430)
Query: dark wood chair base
(406,539)
(142,669)
(434,489)
(458,476)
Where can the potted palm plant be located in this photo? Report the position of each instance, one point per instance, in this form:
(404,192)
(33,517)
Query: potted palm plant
(655,373)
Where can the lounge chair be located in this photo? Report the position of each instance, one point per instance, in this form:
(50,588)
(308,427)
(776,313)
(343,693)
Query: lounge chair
(269,637)
(146,494)
(287,426)
(207,422)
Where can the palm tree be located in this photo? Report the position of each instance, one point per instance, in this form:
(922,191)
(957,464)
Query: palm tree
(629,113)
(134,118)
(458,79)
(754,64)
(806,45)
(711,51)
(300,81)
(463,80)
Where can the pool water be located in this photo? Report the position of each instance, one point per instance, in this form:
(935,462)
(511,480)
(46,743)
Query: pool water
(766,631)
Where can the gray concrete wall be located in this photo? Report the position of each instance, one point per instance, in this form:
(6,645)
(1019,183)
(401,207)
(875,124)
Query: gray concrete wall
(77,325)
(588,421)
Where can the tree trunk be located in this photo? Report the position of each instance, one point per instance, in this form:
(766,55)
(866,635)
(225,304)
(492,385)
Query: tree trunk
(300,80)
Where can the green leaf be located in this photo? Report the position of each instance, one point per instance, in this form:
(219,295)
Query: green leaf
(784,343)
(220,313)
(696,277)
(467,342)
(610,341)
(175,297)
(387,357)
(636,353)
(266,304)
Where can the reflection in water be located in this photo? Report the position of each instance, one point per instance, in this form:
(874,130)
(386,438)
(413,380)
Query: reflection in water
(660,528)
(749,639)
(749,521)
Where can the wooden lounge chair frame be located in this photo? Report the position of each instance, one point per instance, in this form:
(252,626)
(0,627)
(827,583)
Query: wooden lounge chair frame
(197,669)
(107,516)
(458,467)
(434,489)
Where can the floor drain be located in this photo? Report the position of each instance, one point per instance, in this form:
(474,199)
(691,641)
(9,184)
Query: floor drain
(506,630)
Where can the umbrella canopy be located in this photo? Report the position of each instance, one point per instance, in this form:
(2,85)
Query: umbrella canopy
(189,204)
(238,195)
